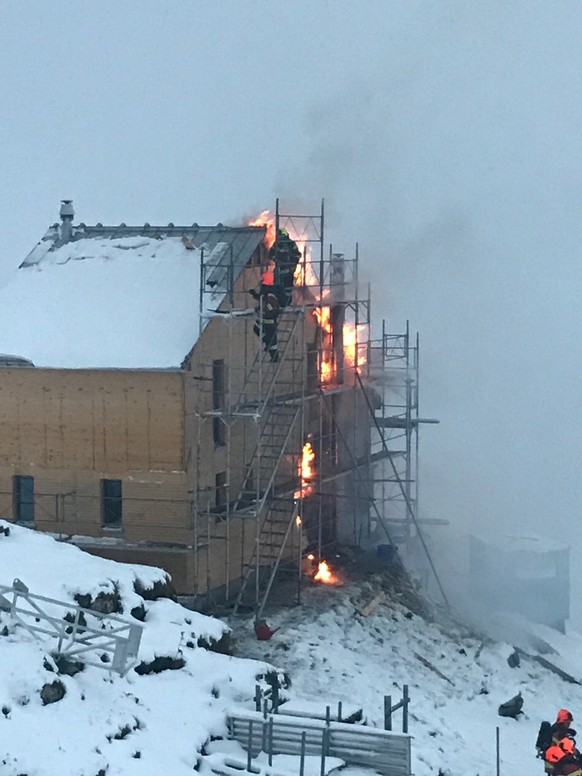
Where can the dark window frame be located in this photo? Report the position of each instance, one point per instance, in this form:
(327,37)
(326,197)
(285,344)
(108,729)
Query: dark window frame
(111,503)
(218,400)
(23,502)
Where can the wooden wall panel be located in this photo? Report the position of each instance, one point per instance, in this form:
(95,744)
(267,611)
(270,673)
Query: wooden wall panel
(91,419)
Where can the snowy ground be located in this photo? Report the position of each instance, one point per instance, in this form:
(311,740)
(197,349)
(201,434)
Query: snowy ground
(160,723)
(148,724)
(333,653)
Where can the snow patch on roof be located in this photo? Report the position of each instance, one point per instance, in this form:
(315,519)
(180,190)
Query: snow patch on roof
(130,302)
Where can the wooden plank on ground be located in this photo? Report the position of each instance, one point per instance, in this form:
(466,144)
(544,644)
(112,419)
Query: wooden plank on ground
(376,601)
(428,664)
(550,666)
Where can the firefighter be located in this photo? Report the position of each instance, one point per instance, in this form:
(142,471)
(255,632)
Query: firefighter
(561,727)
(268,311)
(551,735)
(564,758)
(285,254)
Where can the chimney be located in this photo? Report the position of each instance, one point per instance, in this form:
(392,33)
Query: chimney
(66,214)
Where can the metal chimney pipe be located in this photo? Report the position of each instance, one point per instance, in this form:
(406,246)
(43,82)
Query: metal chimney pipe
(67,213)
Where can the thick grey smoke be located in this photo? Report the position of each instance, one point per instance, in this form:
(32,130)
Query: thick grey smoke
(458,164)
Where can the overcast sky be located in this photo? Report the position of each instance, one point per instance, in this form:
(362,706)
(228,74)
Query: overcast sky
(445,138)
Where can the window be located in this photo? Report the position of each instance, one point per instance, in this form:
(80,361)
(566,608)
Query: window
(218,388)
(111,503)
(220,484)
(23,499)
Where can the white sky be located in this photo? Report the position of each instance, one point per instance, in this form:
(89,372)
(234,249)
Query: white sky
(445,137)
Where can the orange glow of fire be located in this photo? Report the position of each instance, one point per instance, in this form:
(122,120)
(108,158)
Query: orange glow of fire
(325,574)
(325,371)
(355,344)
(307,459)
(266,218)
(298,521)
(306,471)
(323,315)
(305,275)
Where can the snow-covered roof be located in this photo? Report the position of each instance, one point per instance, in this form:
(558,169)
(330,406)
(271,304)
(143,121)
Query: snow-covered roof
(117,297)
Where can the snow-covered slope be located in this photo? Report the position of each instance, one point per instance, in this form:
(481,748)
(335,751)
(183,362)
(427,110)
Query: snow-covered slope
(149,724)
(159,723)
(334,653)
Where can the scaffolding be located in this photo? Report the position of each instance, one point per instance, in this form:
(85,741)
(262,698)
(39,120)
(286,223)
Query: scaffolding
(394,368)
(352,401)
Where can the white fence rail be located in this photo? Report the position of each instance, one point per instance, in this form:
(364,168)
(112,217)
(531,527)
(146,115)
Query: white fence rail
(101,640)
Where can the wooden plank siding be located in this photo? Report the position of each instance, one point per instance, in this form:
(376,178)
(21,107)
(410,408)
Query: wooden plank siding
(71,428)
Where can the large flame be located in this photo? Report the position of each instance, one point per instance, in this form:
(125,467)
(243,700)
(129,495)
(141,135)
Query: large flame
(325,574)
(306,471)
(355,345)
(325,370)
(323,316)
(304,272)
(267,219)
(305,276)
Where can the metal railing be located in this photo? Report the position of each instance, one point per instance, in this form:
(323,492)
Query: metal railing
(386,752)
(101,640)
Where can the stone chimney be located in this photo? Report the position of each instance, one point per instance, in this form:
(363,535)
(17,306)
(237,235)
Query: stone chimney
(67,213)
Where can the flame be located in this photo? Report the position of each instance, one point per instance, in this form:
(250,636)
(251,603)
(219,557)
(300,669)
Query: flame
(355,338)
(325,574)
(306,276)
(304,272)
(266,218)
(298,521)
(325,370)
(323,315)
(306,471)
(307,459)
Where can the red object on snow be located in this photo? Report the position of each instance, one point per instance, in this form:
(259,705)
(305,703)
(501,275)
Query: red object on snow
(262,631)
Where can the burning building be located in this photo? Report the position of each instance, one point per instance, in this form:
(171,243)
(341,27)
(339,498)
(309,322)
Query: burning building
(142,420)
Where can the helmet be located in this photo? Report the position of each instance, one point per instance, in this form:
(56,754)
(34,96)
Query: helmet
(564,716)
(284,232)
(268,278)
(568,745)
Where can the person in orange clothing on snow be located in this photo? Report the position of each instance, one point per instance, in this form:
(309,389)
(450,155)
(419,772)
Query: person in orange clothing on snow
(551,735)
(561,727)
(564,758)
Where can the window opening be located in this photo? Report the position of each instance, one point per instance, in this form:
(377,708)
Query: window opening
(218,401)
(23,498)
(111,503)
